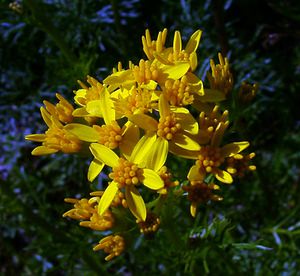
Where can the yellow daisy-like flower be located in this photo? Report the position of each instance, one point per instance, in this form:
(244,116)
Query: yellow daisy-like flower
(211,157)
(113,245)
(126,174)
(62,110)
(175,54)
(173,132)
(56,138)
(87,98)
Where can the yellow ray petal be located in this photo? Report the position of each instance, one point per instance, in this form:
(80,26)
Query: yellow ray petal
(233,148)
(183,141)
(135,202)
(212,95)
(187,121)
(157,155)
(195,174)
(104,154)
(193,42)
(176,71)
(193,209)
(42,150)
(95,169)
(183,152)
(80,112)
(83,132)
(131,135)
(107,197)
(224,177)
(144,121)
(177,42)
(163,105)
(93,108)
(107,107)
(218,134)
(152,180)
(36,137)
(46,116)
(141,149)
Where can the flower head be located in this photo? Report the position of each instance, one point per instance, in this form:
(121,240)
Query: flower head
(113,245)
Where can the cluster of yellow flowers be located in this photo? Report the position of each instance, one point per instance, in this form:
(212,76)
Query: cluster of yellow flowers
(133,120)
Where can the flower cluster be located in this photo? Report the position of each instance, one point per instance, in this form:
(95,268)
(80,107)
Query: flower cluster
(132,122)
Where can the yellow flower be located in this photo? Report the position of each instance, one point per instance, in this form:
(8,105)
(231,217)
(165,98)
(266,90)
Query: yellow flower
(150,46)
(113,245)
(220,77)
(208,122)
(211,157)
(82,210)
(56,138)
(87,98)
(172,131)
(181,92)
(62,110)
(175,54)
(238,164)
(126,173)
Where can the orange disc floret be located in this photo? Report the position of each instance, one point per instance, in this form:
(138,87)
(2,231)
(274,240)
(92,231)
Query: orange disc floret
(209,159)
(168,126)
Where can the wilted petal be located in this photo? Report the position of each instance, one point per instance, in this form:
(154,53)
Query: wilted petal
(224,177)
(95,169)
(104,154)
(135,202)
(107,197)
(233,148)
(152,180)
(83,132)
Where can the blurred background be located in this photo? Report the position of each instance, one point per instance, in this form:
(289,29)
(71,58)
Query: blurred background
(46,46)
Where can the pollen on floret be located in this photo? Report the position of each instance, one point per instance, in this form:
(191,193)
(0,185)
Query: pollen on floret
(109,135)
(145,71)
(178,92)
(150,225)
(209,159)
(62,140)
(126,173)
(168,126)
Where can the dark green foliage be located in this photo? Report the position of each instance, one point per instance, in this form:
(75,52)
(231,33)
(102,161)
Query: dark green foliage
(48,45)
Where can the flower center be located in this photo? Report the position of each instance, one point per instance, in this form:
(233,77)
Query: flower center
(178,92)
(150,225)
(145,72)
(60,139)
(109,135)
(168,126)
(178,56)
(126,173)
(199,192)
(209,159)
